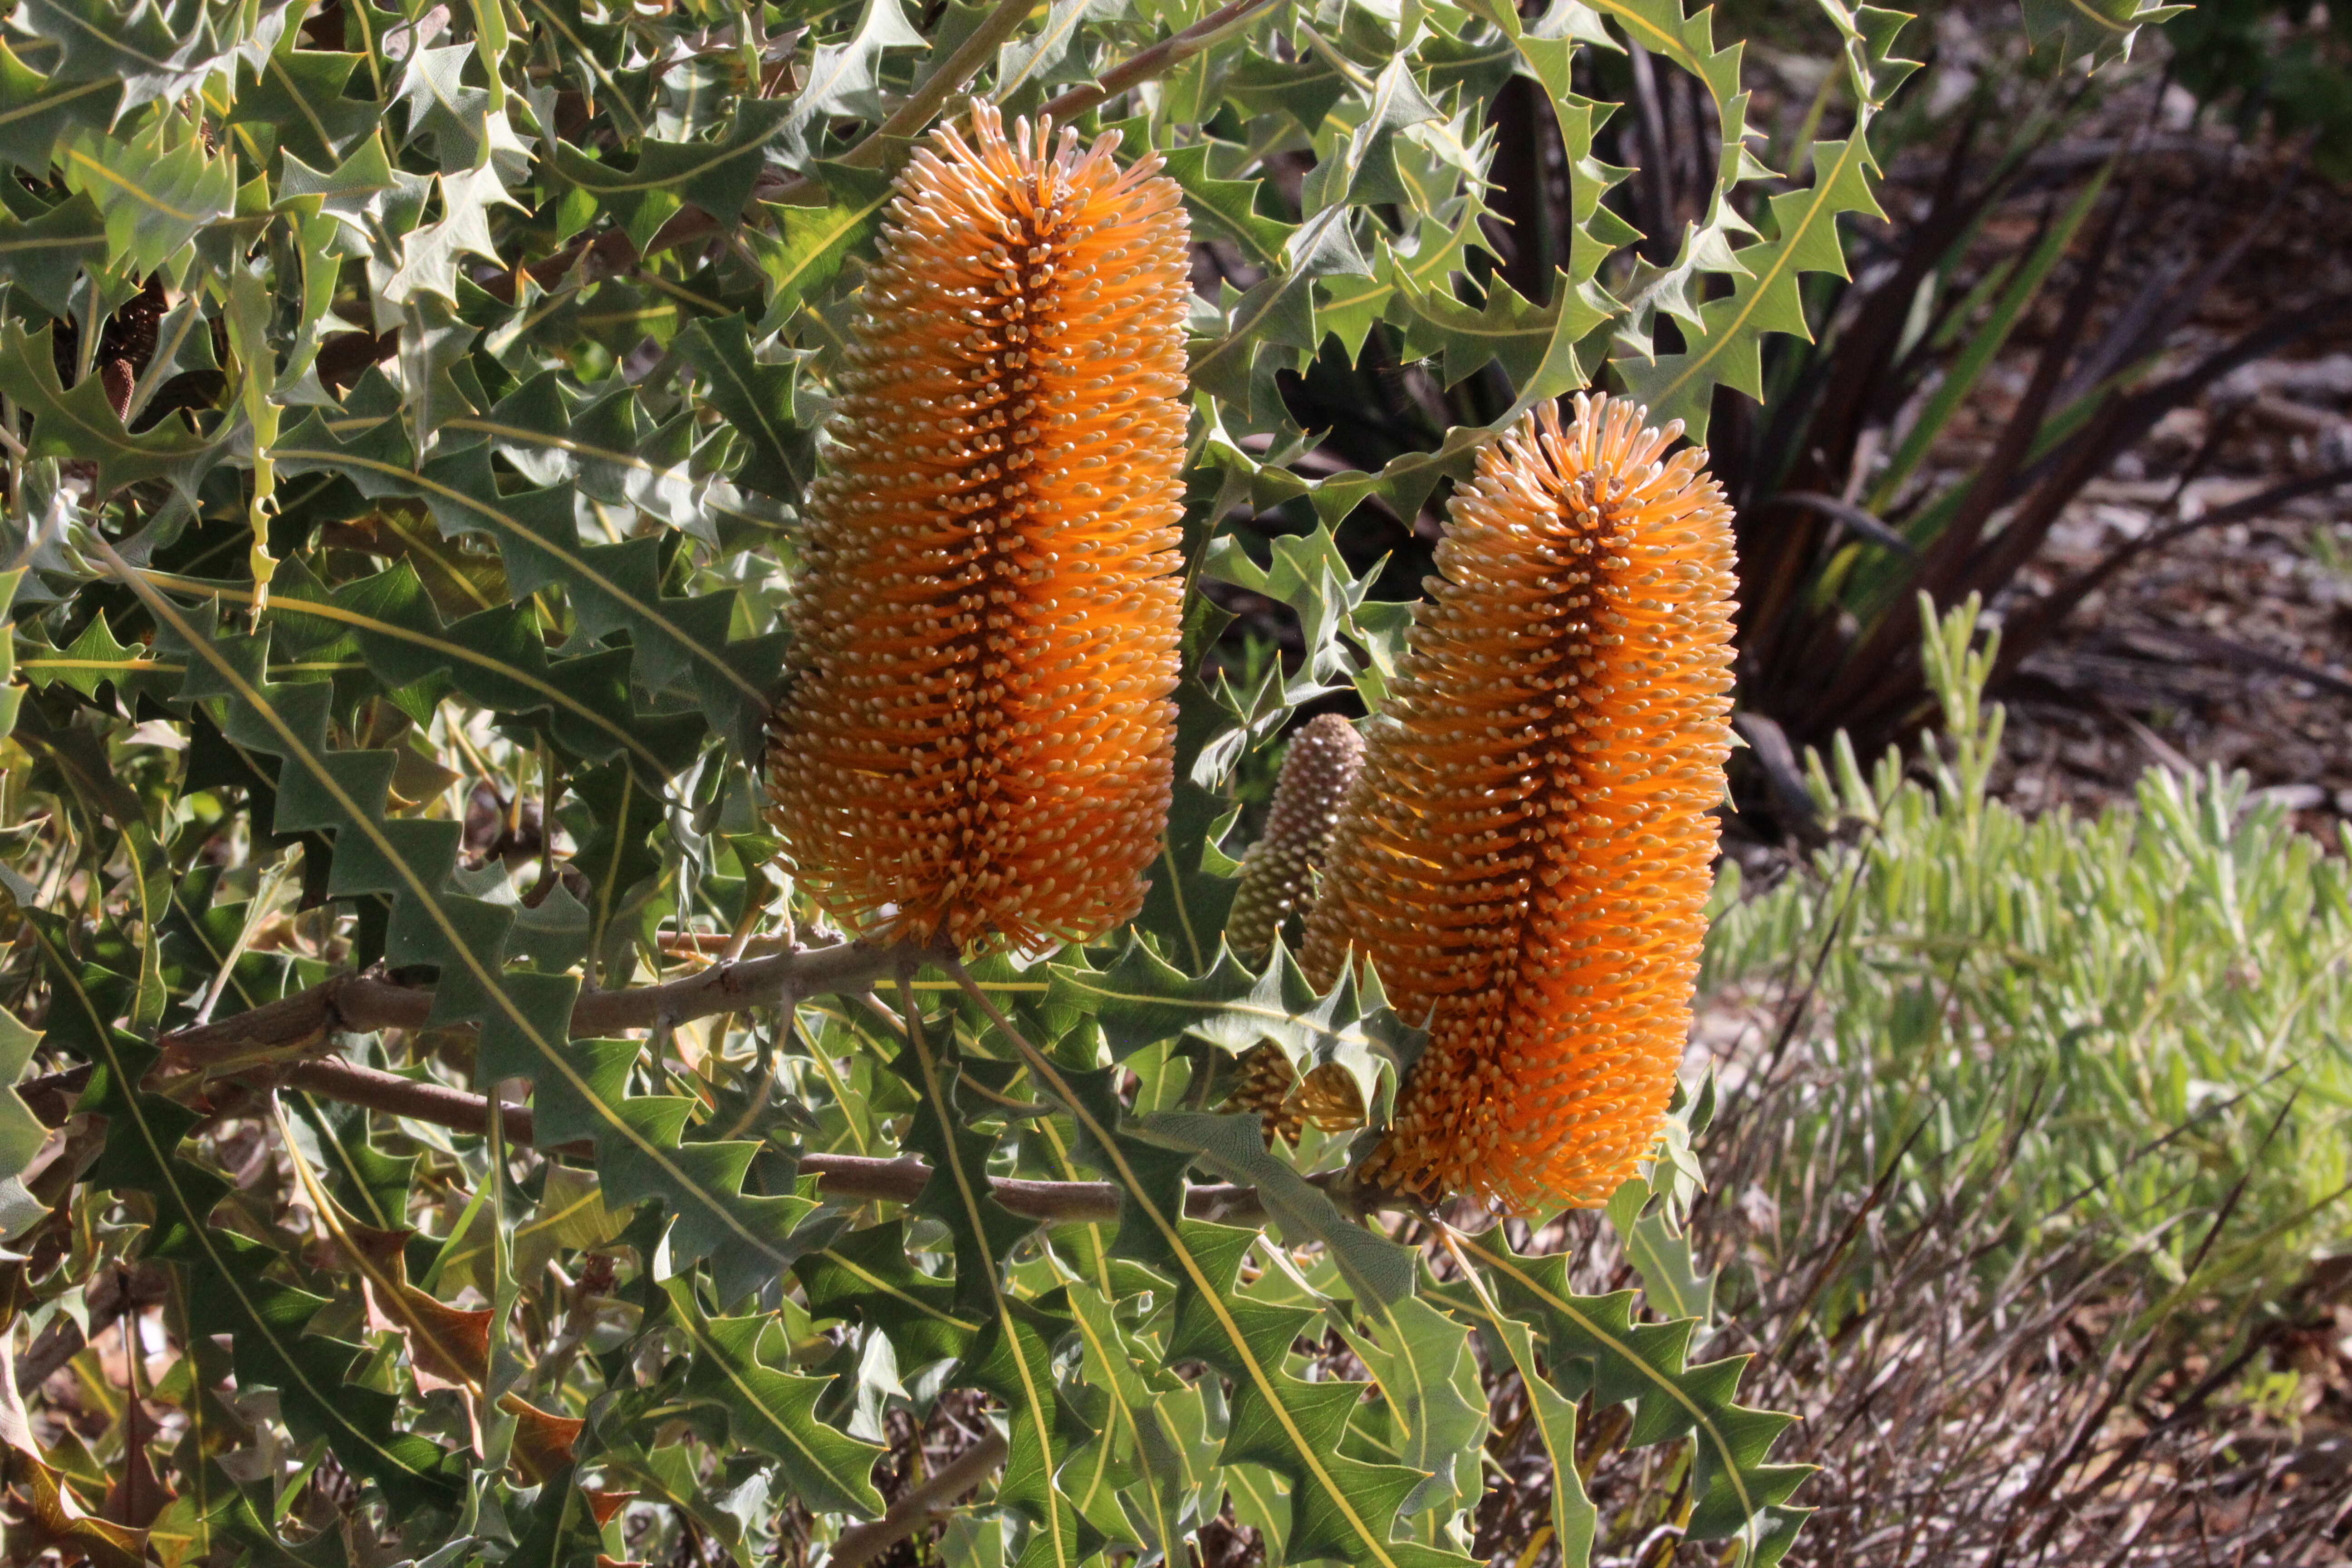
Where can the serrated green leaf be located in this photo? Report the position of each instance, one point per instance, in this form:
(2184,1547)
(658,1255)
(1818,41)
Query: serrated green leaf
(151,48)
(612,587)
(36,110)
(21,1132)
(1235,1148)
(775,1412)
(2100,31)
(757,399)
(523,1014)
(1431,1397)
(81,423)
(47,256)
(298,95)
(1340,1506)
(1011,1356)
(155,192)
(231,1291)
(715,175)
(1574,1521)
(803,257)
(1593,1344)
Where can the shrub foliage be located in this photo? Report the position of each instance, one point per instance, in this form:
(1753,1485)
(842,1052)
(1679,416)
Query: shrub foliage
(440,1141)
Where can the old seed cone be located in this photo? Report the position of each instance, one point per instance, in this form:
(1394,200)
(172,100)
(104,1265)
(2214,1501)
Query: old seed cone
(979,742)
(1278,880)
(1278,873)
(1526,855)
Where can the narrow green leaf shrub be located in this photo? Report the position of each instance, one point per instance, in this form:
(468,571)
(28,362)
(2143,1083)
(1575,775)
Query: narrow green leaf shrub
(2133,1030)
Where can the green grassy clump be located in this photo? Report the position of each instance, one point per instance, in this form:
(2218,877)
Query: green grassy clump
(2132,1032)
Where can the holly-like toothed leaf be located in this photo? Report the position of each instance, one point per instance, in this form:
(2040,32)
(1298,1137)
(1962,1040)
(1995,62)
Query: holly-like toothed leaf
(799,262)
(1574,1520)
(1661,1254)
(1227,209)
(81,424)
(96,660)
(2098,31)
(612,818)
(841,77)
(1011,1354)
(867,1277)
(1135,1466)
(1235,1148)
(156,190)
(1434,1409)
(1141,1000)
(1594,1346)
(523,1014)
(775,1412)
(1722,338)
(21,1132)
(681,642)
(1534,344)
(495,659)
(715,175)
(1341,1506)
(47,256)
(36,110)
(151,48)
(757,399)
(1725,344)
(298,96)
(603,447)
(231,1284)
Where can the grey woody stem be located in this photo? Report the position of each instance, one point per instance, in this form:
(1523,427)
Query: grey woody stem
(862,1544)
(362,1005)
(840,1177)
(1160,58)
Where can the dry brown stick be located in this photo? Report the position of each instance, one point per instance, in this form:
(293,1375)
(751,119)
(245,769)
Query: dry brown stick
(849,1177)
(362,1003)
(862,1544)
(1148,63)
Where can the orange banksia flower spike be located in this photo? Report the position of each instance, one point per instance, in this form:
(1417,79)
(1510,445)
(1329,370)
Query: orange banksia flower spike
(979,742)
(1526,857)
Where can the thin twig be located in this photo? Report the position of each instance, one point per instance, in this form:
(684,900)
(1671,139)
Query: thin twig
(862,1544)
(840,1177)
(361,1004)
(1157,59)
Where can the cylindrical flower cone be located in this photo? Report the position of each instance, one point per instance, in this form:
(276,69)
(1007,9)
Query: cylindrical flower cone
(1526,856)
(978,744)
(1278,873)
(1277,881)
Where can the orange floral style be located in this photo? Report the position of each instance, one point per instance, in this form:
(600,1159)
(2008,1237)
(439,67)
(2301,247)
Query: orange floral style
(978,742)
(1526,855)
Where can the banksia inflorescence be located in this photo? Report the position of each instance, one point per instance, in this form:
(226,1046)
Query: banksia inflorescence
(1526,857)
(979,742)
(1277,881)
(1278,873)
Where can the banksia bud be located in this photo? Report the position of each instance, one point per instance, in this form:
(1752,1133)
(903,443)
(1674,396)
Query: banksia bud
(1278,880)
(1278,873)
(1526,857)
(979,744)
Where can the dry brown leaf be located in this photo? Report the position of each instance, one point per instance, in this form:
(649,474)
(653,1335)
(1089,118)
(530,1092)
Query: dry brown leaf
(543,1444)
(449,1347)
